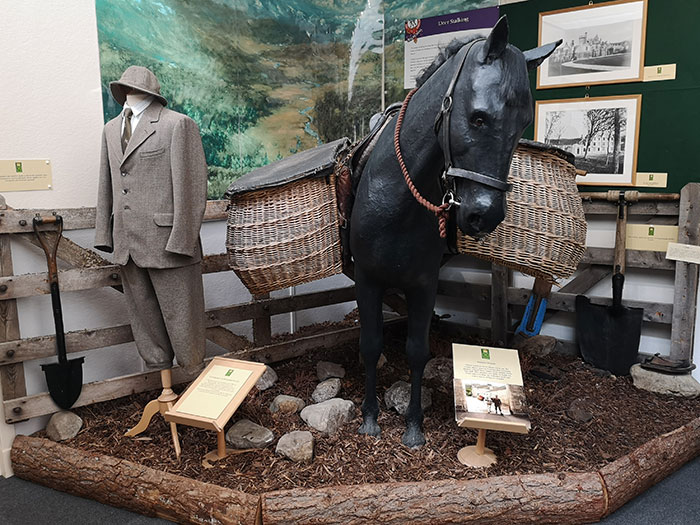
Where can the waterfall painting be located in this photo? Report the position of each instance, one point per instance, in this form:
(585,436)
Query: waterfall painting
(264,79)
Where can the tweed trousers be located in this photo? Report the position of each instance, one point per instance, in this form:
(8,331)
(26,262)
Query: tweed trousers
(166,308)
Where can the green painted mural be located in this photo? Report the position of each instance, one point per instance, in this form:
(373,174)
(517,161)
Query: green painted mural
(263,78)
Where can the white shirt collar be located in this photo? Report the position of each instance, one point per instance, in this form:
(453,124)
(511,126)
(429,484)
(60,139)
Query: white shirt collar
(141,106)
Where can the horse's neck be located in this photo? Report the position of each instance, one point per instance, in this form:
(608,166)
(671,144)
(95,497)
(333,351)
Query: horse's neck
(419,145)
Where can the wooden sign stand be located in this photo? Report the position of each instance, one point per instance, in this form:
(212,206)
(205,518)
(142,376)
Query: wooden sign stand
(162,404)
(210,401)
(477,455)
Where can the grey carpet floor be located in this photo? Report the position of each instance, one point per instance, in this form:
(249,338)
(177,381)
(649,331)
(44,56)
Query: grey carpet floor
(674,501)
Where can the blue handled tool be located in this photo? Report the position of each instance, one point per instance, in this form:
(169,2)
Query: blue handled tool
(536,308)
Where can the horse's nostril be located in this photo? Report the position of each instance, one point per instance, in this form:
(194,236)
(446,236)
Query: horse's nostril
(474,220)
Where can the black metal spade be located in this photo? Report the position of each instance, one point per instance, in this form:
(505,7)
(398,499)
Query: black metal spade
(65,378)
(608,336)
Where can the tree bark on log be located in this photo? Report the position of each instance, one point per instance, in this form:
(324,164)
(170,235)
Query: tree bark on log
(535,498)
(121,483)
(634,473)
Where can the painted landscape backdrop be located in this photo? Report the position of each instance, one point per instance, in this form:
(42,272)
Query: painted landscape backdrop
(263,79)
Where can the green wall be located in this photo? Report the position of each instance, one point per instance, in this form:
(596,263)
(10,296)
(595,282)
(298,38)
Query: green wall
(669,140)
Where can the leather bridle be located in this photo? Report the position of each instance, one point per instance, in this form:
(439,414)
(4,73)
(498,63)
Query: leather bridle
(450,173)
(442,120)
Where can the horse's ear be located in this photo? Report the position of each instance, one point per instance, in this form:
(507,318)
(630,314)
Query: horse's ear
(497,40)
(534,57)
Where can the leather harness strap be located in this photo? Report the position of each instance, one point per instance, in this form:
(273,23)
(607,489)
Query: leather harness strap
(443,119)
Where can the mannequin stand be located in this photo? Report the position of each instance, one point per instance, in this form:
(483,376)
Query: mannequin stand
(162,404)
(477,455)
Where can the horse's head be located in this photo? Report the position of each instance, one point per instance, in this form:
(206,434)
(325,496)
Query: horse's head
(487,111)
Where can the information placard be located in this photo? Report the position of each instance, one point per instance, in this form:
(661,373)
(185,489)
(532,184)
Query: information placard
(650,237)
(488,387)
(25,175)
(210,401)
(424,37)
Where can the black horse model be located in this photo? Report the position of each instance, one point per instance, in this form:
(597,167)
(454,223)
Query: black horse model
(457,136)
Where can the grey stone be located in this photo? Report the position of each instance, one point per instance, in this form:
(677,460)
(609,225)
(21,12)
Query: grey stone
(398,395)
(287,404)
(326,390)
(580,410)
(268,379)
(63,425)
(330,415)
(297,446)
(440,368)
(538,345)
(677,385)
(246,434)
(380,363)
(326,369)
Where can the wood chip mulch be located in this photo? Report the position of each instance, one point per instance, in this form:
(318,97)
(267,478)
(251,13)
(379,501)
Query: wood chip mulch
(624,418)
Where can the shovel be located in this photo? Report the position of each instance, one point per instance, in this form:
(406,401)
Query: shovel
(65,378)
(609,335)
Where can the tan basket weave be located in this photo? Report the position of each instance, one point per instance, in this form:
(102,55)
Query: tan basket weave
(284,236)
(544,232)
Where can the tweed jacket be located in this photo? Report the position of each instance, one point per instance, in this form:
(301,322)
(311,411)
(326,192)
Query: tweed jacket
(151,198)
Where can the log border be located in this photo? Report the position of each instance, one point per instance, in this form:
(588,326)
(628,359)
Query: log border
(591,496)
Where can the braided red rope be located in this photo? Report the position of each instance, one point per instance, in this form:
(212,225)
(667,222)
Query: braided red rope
(440,211)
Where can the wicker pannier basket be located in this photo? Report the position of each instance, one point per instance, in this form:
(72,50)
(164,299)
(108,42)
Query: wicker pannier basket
(544,232)
(283,221)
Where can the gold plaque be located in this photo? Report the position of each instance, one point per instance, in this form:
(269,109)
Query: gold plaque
(23,175)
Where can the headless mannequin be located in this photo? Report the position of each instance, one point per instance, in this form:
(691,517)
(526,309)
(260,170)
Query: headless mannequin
(167,397)
(134,96)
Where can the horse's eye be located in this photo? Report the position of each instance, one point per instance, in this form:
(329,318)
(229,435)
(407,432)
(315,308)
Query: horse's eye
(478,121)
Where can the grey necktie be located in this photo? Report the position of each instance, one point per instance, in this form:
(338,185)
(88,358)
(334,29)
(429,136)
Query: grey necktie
(126,134)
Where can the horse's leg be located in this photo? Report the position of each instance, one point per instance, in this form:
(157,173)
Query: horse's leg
(369,303)
(420,304)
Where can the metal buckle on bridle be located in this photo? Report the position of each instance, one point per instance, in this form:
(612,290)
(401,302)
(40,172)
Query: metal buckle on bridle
(449,198)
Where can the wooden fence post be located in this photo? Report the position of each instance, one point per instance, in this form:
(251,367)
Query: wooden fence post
(500,318)
(686,281)
(262,326)
(12,383)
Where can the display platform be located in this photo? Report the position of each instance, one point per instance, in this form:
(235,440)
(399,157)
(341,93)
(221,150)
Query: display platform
(564,470)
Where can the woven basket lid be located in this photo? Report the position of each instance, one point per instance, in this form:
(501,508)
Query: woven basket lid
(309,163)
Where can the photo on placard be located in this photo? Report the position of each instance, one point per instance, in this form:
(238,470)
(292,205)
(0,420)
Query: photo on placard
(602,134)
(601,44)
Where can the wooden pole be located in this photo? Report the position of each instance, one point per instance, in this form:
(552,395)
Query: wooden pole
(221,444)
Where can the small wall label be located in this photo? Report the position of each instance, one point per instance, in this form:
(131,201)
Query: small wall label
(25,175)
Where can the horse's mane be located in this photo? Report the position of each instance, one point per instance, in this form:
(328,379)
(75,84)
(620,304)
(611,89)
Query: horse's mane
(510,88)
(443,56)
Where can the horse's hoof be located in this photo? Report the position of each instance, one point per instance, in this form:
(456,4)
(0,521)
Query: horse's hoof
(371,428)
(413,438)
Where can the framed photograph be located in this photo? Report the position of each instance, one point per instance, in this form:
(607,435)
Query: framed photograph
(601,132)
(602,44)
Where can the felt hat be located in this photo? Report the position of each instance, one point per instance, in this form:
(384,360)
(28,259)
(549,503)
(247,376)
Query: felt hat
(136,77)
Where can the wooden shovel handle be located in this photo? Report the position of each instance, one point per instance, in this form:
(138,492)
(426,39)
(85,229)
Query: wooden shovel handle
(620,236)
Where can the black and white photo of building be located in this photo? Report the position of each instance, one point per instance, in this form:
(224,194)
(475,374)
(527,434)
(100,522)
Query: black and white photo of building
(596,137)
(593,49)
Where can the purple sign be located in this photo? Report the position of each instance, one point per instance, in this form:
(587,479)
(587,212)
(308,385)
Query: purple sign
(465,20)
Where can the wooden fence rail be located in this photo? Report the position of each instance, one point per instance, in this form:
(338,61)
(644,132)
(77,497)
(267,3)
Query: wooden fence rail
(89,271)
